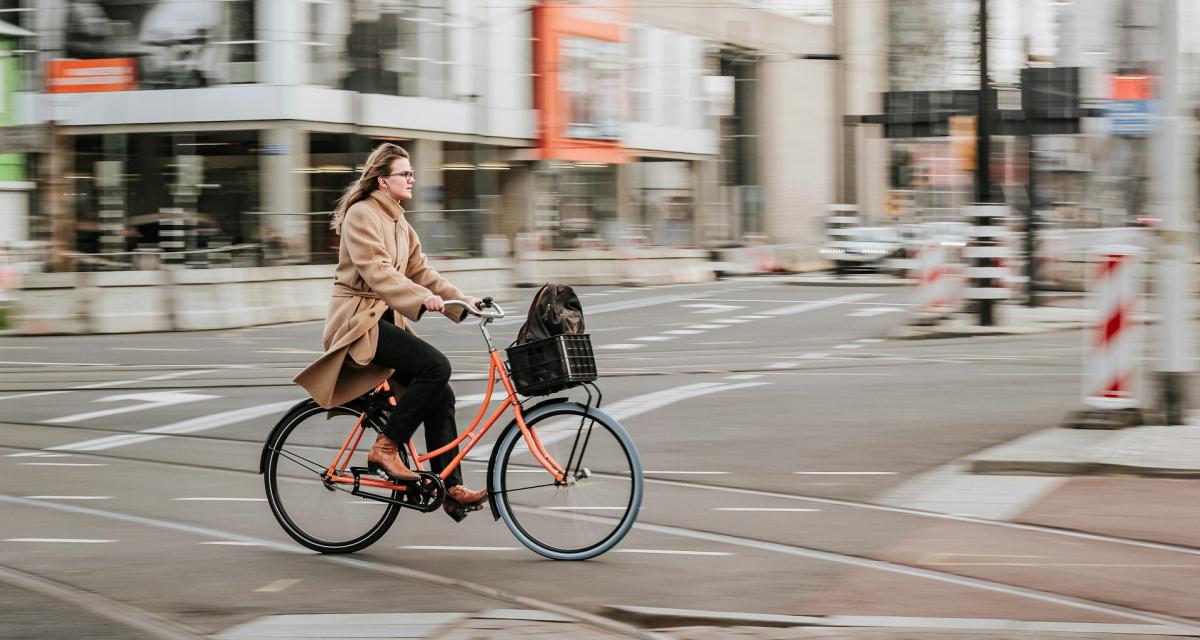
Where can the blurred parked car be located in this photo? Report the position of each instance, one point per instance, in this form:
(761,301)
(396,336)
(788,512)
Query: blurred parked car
(863,248)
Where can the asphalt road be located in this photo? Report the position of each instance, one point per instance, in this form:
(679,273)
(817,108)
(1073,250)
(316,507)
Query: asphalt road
(770,418)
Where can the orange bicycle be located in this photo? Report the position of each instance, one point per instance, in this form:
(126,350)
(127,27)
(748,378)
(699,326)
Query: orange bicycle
(563,475)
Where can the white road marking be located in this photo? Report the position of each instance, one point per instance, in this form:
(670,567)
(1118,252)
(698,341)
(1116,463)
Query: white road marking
(63,464)
(870,340)
(754,317)
(847,346)
(683,332)
(732,321)
(37,454)
(436,547)
(147,349)
(654,338)
(69,497)
(291,350)
(232,543)
(814,355)
(278,585)
(476,398)
(821,304)
(63,540)
(744,376)
(151,400)
(783,365)
(844,473)
(872,311)
(689,473)
(710,307)
(619,346)
(115,383)
(628,408)
(216,499)
(193,425)
(626,305)
(581,508)
(707,327)
(674,552)
(455,377)
(65,364)
(766,509)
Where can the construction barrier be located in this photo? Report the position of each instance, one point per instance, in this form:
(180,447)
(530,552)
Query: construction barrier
(988,254)
(1112,368)
(937,287)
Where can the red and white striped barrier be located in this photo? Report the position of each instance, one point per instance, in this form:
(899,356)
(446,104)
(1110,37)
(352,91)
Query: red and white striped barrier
(1112,368)
(938,284)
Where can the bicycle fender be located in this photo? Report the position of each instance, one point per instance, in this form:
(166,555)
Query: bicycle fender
(533,413)
(299,406)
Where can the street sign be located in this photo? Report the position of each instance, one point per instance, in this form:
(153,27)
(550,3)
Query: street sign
(1130,117)
(32,138)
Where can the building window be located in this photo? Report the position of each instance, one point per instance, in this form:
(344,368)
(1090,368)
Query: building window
(590,82)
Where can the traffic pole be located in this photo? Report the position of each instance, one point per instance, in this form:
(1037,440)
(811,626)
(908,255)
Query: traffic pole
(1175,184)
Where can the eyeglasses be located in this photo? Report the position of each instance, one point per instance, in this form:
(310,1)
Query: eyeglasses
(407,175)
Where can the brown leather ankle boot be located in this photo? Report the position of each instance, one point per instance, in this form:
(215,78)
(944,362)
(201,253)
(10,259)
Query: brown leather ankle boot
(461,500)
(385,454)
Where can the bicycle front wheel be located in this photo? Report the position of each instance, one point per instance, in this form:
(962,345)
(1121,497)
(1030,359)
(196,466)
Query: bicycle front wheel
(593,510)
(322,516)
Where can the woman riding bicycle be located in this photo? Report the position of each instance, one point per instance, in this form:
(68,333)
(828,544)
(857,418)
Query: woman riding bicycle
(381,274)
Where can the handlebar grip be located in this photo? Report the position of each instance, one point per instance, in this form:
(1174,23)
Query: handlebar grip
(487,302)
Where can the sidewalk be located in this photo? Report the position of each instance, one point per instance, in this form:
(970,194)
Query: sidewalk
(1152,451)
(1011,319)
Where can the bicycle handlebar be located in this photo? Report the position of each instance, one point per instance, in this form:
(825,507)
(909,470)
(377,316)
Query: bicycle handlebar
(492,311)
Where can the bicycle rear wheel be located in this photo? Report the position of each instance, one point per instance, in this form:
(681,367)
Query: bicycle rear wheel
(589,514)
(322,516)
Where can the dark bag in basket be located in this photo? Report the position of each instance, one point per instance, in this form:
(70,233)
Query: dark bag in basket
(551,351)
(555,310)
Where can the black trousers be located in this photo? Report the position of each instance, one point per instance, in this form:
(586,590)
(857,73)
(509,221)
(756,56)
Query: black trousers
(424,372)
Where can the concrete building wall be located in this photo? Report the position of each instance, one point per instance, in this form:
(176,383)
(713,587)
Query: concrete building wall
(795,108)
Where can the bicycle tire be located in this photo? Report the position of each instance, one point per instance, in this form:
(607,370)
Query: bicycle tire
(324,435)
(608,499)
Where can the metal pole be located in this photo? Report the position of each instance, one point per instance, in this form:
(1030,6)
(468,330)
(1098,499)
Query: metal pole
(1176,192)
(983,182)
(1031,220)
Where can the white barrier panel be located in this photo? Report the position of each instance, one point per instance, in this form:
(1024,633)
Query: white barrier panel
(938,285)
(1112,370)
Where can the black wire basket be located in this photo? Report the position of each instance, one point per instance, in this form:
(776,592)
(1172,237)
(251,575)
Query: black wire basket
(553,364)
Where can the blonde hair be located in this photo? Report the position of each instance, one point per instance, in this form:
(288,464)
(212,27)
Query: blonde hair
(378,164)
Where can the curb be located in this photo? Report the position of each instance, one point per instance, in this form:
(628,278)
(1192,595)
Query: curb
(1076,468)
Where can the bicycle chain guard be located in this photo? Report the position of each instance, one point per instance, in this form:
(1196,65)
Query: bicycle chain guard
(426,496)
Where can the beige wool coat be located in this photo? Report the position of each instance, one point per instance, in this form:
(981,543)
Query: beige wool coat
(380,265)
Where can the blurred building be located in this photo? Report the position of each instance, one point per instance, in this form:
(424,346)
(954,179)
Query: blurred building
(1097,177)
(239,122)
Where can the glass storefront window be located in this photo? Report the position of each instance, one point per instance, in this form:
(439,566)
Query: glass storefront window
(208,179)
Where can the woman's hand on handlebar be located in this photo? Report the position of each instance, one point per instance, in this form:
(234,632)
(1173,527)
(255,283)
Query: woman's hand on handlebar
(434,303)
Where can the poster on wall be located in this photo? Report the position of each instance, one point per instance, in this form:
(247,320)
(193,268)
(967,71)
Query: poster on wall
(590,83)
(177,45)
